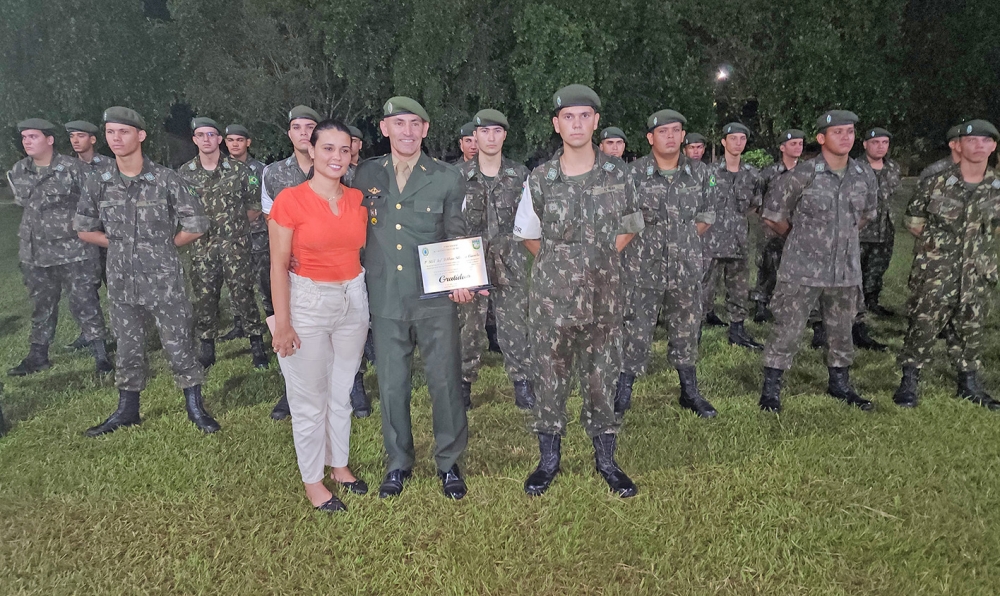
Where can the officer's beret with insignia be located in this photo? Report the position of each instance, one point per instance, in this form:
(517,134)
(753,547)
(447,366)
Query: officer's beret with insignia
(197,123)
(836,118)
(123,115)
(238,130)
(954,131)
(664,117)
(82,126)
(613,132)
(355,132)
(303,112)
(574,96)
(490,117)
(47,128)
(878,132)
(979,128)
(467,129)
(693,138)
(792,133)
(735,128)
(404,105)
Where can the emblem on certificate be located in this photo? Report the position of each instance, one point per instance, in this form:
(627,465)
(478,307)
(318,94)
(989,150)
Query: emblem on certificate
(453,265)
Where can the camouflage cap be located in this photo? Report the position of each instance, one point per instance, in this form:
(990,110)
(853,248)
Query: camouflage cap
(613,132)
(82,126)
(238,130)
(355,132)
(123,115)
(735,128)
(836,118)
(489,117)
(575,95)
(41,124)
(953,132)
(693,138)
(979,128)
(304,112)
(664,117)
(467,129)
(197,123)
(404,105)
(791,133)
(878,132)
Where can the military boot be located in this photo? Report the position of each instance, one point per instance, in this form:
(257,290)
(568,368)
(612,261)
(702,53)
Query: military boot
(623,392)
(195,406)
(261,359)
(467,395)
(102,364)
(281,410)
(549,449)
(871,303)
(604,459)
(770,394)
(840,387)
(863,341)
(762,313)
(360,404)
(78,344)
(970,389)
(37,360)
(690,396)
(491,334)
(127,414)
(819,336)
(906,394)
(207,355)
(524,395)
(713,320)
(738,336)
(236,332)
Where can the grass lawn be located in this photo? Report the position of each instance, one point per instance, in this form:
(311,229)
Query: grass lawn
(822,499)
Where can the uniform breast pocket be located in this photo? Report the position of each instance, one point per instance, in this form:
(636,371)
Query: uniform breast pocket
(375,204)
(57,223)
(114,217)
(947,209)
(815,203)
(427,215)
(559,221)
(153,218)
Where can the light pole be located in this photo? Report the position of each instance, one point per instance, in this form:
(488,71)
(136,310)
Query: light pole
(722,75)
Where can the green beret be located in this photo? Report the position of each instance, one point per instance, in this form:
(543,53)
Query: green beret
(45,126)
(490,117)
(303,112)
(664,117)
(404,105)
(613,132)
(82,126)
(576,95)
(953,132)
(836,118)
(126,116)
(355,132)
(238,130)
(979,128)
(735,128)
(791,133)
(693,138)
(197,123)
(467,129)
(878,132)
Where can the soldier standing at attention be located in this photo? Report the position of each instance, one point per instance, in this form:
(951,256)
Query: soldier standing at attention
(955,146)
(726,241)
(694,146)
(819,207)
(413,199)
(467,143)
(878,236)
(954,215)
(577,213)
(493,188)
(357,141)
(613,141)
(223,252)
(663,263)
(133,207)
(48,186)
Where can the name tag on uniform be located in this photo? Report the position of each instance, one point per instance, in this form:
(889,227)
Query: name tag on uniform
(451,265)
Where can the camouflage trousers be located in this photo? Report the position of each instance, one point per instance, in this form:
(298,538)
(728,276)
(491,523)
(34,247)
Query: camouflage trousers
(875,259)
(511,307)
(213,262)
(45,284)
(261,255)
(173,323)
(768,261)
(736,275)
(944,309)
(594,350)
(682,311)
(791,306)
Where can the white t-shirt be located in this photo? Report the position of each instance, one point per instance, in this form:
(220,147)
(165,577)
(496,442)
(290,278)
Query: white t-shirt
(527,226)
(265,199)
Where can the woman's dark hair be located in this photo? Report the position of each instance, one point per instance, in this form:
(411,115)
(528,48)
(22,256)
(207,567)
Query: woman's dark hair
(328,124)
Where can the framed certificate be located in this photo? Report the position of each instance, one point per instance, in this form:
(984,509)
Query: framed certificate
(458,264)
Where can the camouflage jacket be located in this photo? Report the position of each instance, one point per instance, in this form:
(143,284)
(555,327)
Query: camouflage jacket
(823,249)
(489,211)
(727,238)
(768,176)
(226,194)
(576,276)
(348,178)
(958,239)
(668,251)
(277,177)
(255,175)
(936,168)
(99,160)
(140,218)
(46,236)
(881,228)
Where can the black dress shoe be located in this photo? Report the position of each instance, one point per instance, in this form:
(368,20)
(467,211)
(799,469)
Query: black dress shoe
(392,485)
(358,487)
(713,320)
(332,506)
(452,483)
(281,410)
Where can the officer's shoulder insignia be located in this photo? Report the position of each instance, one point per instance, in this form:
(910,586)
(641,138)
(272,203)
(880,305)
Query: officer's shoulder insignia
(192,166)
(609,167)
(385,163)
(423,168)
(951,181)
(650,170)
(552,174)
(373,190)
(510,172)
(711,180)
(106,176)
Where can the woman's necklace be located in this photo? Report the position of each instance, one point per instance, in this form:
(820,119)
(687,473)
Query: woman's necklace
(332,199)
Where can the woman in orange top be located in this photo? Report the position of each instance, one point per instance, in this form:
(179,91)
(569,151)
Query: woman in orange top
(320,310)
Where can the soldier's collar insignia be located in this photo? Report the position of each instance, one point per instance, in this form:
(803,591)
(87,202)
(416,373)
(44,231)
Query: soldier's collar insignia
(149,177)
(226,165)
(471,174)
(423,168)
(106,176)
(951,181)
(996,184)
(687,168)
(192,166)
(608,166)
(385,163)
(552,175)
(59,168)
(290,160)
(820,167)
(857,169)
(510,172)
(650,170)
(373,190)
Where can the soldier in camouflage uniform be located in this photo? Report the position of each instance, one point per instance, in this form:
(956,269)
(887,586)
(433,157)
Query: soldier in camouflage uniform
(878,236)
(824,201)
(578,211)
(769,253)
(493,187)
(466,143)
(725,243)
(613,141)
(954,145)
(140,205)
(694,146)
(954,216)
(223,252)
(48,185)
(663,263)
(357,141)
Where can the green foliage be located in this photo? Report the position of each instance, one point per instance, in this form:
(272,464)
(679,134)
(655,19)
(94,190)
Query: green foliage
(758,158)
